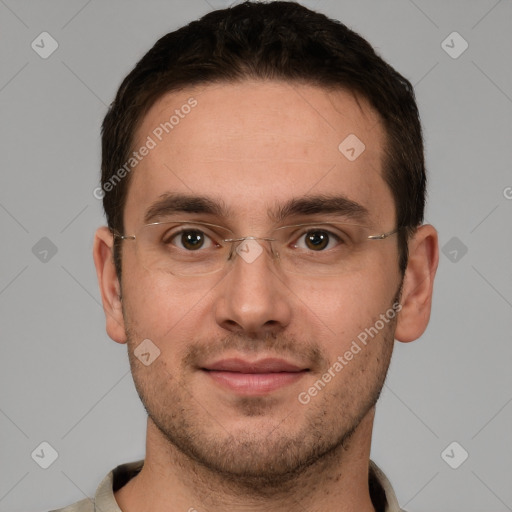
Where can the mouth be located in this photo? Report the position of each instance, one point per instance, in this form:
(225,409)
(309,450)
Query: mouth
(254,378)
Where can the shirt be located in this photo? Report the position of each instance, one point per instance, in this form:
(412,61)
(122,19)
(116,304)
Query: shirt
(381,493)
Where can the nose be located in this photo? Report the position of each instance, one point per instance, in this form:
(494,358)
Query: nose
(253,297)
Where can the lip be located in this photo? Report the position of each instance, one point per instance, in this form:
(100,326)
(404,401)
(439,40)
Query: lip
(254,378)
(267,365)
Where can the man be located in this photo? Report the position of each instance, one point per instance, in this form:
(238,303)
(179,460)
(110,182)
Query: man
(264,187)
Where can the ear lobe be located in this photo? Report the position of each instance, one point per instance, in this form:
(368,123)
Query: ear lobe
(416,299)
(109,284)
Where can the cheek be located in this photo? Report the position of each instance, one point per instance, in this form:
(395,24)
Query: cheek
(344,308)
(161,308)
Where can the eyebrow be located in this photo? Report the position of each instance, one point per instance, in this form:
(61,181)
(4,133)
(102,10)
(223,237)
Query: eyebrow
(339,205)
(168,204)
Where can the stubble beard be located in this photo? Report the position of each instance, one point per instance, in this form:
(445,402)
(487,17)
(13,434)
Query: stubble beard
(293,441)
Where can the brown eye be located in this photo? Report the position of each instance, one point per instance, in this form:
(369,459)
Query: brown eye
(192,240)
(189,240)
(317,240)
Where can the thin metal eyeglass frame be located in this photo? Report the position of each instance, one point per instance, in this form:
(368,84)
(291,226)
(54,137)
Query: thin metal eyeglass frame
(275,254)
(380,236)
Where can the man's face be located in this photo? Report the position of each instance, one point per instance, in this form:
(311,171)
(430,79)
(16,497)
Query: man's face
(253,147)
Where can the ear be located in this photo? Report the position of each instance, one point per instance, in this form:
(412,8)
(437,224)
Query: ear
(109,284)
(416,299)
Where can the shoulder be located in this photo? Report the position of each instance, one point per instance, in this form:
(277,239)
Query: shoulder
(85,505)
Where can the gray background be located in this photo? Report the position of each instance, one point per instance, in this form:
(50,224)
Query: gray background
(63,381)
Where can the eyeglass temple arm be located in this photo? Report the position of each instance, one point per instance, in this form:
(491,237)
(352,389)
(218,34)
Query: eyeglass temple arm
(383,235)
(116,234)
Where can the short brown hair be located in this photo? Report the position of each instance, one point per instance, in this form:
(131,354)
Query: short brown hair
(280,41)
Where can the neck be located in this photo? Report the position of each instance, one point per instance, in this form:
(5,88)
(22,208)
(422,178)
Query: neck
(170,480)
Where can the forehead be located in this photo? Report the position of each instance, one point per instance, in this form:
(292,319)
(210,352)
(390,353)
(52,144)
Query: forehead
(255,145)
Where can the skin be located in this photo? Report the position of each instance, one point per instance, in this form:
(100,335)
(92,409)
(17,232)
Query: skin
(254,145)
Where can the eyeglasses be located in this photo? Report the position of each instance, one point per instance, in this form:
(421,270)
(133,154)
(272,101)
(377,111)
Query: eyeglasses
(189,248)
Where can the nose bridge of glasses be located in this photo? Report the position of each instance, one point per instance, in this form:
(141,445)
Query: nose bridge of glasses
(249,248)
